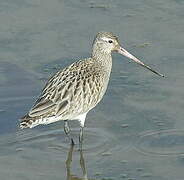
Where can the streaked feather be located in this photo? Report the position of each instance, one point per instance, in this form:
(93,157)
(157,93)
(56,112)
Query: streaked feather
(69,92)
(74,90)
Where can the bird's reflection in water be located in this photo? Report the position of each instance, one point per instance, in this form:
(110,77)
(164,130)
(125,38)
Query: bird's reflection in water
(82,165)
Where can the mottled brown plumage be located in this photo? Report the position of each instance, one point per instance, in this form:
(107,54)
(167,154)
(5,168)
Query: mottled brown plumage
(70,92)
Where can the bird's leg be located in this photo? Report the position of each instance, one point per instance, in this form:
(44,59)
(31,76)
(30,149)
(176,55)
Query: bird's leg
(67,131)
(81,119)
(81,137)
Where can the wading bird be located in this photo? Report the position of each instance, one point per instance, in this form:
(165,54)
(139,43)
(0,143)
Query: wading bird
(73,91)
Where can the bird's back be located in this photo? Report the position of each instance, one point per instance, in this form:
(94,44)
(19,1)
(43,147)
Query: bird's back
(70,92)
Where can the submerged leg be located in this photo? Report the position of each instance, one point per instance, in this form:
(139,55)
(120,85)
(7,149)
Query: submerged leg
(67,131)
(83,166)
(69,161)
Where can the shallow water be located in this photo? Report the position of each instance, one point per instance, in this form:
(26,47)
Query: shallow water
(136,132)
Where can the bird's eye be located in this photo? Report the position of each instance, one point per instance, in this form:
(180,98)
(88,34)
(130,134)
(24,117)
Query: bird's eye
(110,41)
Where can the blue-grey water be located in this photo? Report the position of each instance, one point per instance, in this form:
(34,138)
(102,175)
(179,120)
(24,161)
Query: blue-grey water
(137,131)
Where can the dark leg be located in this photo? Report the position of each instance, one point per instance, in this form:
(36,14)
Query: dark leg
(67,131)
(81,137)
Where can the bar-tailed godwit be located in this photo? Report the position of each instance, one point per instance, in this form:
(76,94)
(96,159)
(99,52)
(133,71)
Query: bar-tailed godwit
(73,91)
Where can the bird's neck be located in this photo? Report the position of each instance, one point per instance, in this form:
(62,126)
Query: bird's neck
(101,57)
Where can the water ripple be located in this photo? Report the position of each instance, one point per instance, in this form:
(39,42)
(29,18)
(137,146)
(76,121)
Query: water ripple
(95,140)
(161,143)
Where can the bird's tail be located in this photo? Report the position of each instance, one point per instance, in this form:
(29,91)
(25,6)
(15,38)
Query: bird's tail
(27,122)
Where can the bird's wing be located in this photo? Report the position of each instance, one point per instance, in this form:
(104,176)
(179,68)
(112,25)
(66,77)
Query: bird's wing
(56,94)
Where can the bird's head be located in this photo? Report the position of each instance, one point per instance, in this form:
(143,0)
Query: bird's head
(107,42)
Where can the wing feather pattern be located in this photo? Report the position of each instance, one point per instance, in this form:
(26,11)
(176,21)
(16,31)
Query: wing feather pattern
(72,91)
(66,85)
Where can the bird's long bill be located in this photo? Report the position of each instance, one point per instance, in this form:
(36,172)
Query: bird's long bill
(130,56)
